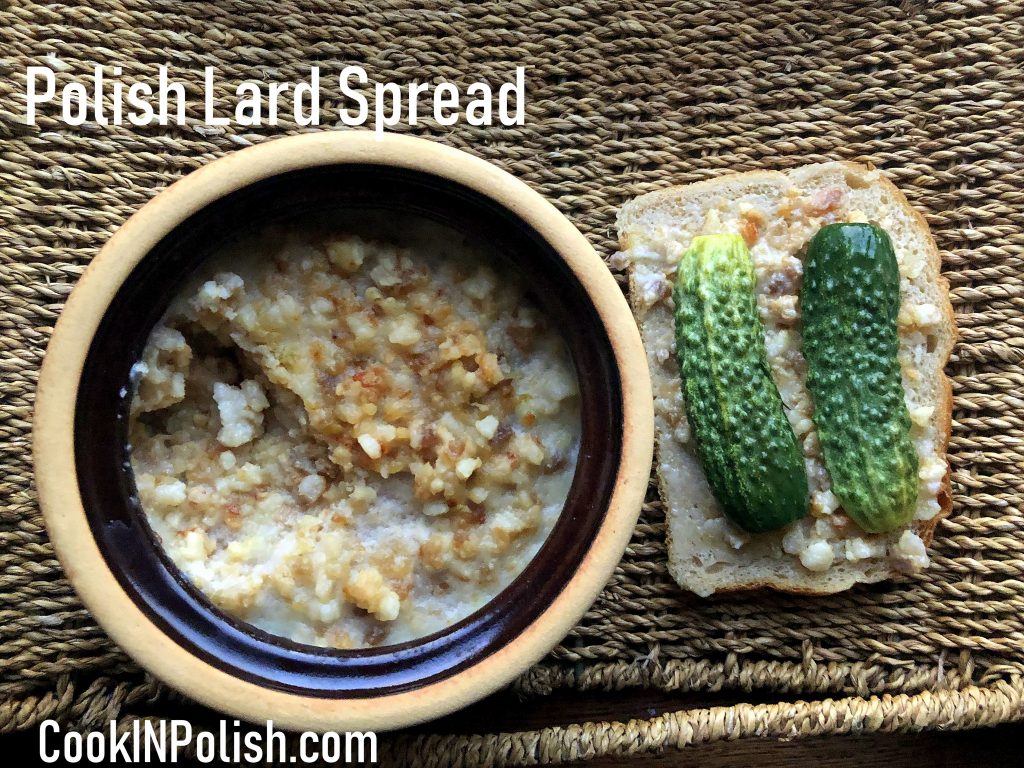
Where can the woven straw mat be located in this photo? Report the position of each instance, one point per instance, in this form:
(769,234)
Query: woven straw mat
(623,98)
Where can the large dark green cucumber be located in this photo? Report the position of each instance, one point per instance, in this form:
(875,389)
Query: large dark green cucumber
(850,300)
(744,441)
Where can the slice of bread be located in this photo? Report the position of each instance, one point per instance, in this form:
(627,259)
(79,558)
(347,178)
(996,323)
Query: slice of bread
(778,213)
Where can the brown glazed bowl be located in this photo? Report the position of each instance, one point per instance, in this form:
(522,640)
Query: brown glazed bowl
(87,491)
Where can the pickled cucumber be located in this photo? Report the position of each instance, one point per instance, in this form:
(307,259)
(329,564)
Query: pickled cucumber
(743,438)
(850,300)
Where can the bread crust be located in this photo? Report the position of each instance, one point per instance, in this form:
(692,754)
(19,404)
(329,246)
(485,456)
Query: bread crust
(635,209)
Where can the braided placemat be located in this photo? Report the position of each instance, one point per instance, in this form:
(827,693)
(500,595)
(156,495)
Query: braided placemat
(622,98)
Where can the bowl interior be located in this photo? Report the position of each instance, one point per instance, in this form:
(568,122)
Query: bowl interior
(107,485)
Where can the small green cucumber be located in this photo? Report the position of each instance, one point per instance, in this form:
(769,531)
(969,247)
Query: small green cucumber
(850,300)
(744,441)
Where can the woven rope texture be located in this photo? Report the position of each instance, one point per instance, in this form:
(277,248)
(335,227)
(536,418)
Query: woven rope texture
(623,98)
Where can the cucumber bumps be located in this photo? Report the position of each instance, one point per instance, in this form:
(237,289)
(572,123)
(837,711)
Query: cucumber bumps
(849,300)
(745,443)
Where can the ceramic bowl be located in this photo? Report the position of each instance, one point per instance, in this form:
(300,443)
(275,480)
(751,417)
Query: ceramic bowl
(87,492)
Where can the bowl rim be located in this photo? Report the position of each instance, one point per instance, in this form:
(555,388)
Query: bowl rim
(56,396)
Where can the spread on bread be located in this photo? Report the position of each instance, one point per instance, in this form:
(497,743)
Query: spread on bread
(874,500)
